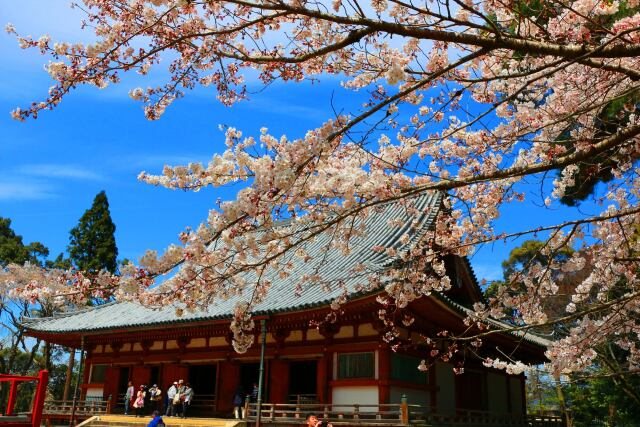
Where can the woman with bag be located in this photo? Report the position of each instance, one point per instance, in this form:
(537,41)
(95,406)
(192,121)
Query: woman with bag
(176,407)
(139,402)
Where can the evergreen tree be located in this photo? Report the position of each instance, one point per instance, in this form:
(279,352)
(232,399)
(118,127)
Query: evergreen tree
(13,250)
(60,262)
(92,244)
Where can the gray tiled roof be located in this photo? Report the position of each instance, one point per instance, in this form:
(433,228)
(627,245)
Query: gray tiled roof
(499,325)
(336,267)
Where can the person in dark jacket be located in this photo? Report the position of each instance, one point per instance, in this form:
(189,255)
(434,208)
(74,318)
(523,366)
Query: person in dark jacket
(238,404)
(254,393)
(155,397)
(187,398)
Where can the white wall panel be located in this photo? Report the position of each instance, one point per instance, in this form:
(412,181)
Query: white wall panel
(348,395)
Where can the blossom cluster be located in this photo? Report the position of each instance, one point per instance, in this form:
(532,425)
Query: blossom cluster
(472,103)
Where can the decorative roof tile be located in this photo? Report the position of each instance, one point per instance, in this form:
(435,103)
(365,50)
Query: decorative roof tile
(334,265)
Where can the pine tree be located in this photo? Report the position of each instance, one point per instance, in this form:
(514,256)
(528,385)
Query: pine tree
(13,250)
(92,244)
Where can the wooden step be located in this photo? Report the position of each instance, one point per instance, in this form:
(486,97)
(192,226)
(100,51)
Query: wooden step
(132,421)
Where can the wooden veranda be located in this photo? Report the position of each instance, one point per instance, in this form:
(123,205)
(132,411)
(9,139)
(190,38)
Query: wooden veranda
(402,414)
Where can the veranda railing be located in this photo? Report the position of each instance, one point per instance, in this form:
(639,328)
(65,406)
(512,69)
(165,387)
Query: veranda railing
(91,406)
(303,398)
(392,414)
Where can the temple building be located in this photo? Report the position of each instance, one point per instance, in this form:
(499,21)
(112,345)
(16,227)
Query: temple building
(343,362)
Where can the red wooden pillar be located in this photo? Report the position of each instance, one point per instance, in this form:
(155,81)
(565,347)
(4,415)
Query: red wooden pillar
(229,382)
(111,378)
(279,381)
(38,401)
(173,372)
(433,383)
(324,375)
(87,371)
(384,370)
(523,390)
(13,390)
(86,377)
(168,375)
(141,375)
(182,372)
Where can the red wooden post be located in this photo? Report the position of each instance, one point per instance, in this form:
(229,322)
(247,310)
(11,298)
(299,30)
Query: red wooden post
(384,369)
(404,410)
(246,408)
(38,403)
(13,391)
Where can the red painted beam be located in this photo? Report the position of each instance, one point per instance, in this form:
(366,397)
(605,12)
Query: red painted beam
(9,377)
(13,390)
(38,403)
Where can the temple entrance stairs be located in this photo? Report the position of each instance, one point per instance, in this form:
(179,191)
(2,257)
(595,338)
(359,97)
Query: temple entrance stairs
(130,421)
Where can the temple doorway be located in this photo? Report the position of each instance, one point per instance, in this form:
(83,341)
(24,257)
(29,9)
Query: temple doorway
(249,375)
(154,377)
(303,380)
(202,379)
(124,376)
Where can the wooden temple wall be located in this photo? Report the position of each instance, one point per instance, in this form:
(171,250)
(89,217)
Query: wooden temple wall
(145,357)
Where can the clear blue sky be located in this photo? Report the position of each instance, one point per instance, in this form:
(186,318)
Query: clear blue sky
(51,168)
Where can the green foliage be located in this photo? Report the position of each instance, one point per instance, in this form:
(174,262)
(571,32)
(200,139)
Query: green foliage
(60,262)
(601,398)
(609,391)
(92,244)
(23,364)
(598,169)
(531,251)
(13,250)
(597,396)
(612,117)
(522,258)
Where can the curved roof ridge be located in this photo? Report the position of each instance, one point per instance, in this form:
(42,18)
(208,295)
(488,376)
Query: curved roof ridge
(64,314)
(333,265)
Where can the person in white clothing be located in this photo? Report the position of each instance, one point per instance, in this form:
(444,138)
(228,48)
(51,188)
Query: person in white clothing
(171,394)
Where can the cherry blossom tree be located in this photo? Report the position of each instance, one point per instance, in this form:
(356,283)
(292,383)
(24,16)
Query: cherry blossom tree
(470,98)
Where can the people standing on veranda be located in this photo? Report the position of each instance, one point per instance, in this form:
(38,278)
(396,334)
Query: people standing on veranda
(186,398)
(138,404)
(155,396)
(254,393)
(176,407)
(147,400)
(165,401)
(238,404)
(171,393)
(128,397)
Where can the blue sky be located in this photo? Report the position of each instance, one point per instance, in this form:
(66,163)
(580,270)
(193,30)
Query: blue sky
(51,168)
